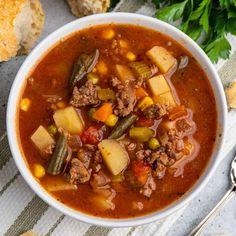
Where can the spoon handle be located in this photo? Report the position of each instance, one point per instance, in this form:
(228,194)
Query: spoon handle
(229,194)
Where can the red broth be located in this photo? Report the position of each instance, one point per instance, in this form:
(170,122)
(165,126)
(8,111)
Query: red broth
(190,85)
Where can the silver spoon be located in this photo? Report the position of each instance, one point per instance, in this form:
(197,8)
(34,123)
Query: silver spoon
(229,194)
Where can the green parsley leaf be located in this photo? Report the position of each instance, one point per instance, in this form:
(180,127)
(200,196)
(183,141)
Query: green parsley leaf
(195,32)
(202,13)
(218,48)
(172,13)
(214,17)
(231,26)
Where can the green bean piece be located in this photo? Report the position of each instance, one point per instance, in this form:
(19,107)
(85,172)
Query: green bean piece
(90,113)
(122,126)
(83,66)
(59,155)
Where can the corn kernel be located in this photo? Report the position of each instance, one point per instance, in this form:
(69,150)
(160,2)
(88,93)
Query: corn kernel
(25,104)
(108,34)
(61,105)
(130,56)
(52,129)
(101,68)
(39,171)
(123,43)
(144,103)
(111,120)
(93,77)
(153,143)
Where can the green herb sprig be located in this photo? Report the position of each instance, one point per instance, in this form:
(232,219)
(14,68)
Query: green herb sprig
(208,19)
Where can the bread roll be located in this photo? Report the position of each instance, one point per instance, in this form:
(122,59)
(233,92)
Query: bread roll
(21,23)
(88,7)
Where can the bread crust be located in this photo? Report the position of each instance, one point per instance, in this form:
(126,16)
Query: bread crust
(9,44)
(87,7)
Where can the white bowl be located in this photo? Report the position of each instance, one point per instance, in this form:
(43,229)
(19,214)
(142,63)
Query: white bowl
(121,18)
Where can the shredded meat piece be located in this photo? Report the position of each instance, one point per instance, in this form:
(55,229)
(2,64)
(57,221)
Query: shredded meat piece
(116,83)
(139,146)
(149,187)
(124,142)
(131,147)
(90,147)
(84,156)
(125,101)
(125,98)
(174,146)
(155,111)
(99,180)
(85,95)
(161,156)
(97,161)
(78,172)
(159,170)
(141,154)
(137,205)
(185,127)
(49,149)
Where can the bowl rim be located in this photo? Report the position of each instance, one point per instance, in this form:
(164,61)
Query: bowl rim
(18,155)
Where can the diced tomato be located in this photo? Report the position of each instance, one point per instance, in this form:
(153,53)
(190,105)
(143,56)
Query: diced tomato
(140,167)
(145,122)
(91,136)
(141,170)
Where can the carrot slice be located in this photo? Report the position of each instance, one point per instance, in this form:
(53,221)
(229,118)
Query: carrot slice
(140,92)
(177,112)
(103,112)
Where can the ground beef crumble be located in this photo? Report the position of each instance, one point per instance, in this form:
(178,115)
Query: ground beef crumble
(125,98)
(156,111)
(78,172)
(149,187)
(85,95)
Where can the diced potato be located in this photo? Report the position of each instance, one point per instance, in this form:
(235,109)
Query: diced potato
(231,95)
(115,156)
(124,73)
(59,184)
(158,85)
(39,171)
(25,104)
(102,203)
(108,33)
(130,56)
(165,98)
(161,57)
(42,139)
(68,119)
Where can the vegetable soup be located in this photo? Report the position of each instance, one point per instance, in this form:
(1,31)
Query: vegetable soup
(117,121)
